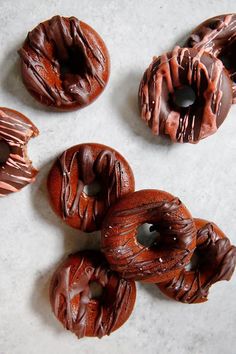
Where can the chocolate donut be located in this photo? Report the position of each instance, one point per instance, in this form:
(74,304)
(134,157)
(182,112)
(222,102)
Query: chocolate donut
(217,36)
(72,301)
(16,170)
(65,63)
(172,250)
(216,261)
(171,73)
(83,165)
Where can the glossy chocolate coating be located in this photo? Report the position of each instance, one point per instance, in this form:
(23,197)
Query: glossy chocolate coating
(168,216)
(65,63)
(83,165)
(71,299)
(16,170)
(217,36)
(185,67)
(216,262)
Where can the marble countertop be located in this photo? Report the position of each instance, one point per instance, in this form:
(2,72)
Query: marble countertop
(34,240)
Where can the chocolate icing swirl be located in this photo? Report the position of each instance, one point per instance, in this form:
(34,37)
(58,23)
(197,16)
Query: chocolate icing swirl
(17,171)
(217,261)
(73,61)
(71,296)
(135,261)
(217,36)
(105,168)
(171,71)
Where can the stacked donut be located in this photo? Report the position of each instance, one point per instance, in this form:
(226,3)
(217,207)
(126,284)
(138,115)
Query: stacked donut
(186,255)
(185,94)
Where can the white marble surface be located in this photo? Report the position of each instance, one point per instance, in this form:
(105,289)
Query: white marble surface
(33,240)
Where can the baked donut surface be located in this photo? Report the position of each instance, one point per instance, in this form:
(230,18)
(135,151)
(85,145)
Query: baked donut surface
(216,261)
(80,166)
(16,170)
(217,36)
(65,63)
(185,68)
(72,301)
(173,248)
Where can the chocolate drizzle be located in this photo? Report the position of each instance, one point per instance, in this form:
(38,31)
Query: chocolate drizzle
(17,171)
(135,261)
(104,168)
(184,67)
(217,261)
(61,63)
(71,296)
(217,36)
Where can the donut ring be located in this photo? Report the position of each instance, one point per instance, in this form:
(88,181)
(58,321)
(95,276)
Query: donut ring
(217,36)
(83,165)
(16,170)
(216,262)
(65,63)
(204,75)
(168,216)
(72,301)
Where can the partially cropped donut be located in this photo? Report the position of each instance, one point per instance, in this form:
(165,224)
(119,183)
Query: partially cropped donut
(216,261)
(65,63)
(72,301)
(16,170)
(217,36)
(84,165)
(168,216)
(173,72)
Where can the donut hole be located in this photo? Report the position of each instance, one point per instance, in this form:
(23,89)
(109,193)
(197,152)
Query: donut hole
(194,263)
(5,151)
(147,236)
(225,60)
(75,64)
(193,39)
(227,56)
(96,290)
(184,97)
(214,24)
(93,189)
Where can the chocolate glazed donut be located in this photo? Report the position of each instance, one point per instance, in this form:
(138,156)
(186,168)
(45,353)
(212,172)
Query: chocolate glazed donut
(168,216)
(217,36)
(72,301)
(181,68)
(216,261)
(83,165)
(16,170)
(64,63)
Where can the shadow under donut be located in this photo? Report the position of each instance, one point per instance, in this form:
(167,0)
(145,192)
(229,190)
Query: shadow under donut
(40,300)
(181,41)
(125,100)
(153,291)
